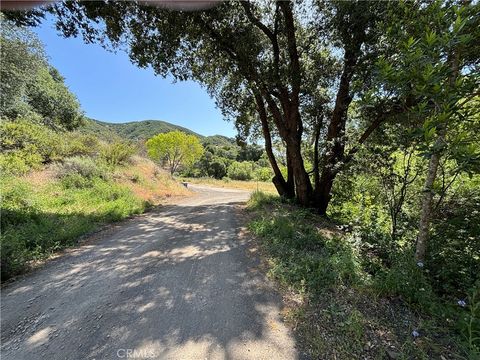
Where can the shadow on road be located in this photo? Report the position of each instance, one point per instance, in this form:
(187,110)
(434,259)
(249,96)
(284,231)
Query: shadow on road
(176,283)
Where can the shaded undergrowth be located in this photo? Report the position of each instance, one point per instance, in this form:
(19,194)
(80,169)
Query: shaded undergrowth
(342,309)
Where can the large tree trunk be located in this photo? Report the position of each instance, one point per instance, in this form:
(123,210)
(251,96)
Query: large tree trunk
(290,128)
(316,154)
(427,199)
(303,187)
(290,176)
(323,193)
(284,188)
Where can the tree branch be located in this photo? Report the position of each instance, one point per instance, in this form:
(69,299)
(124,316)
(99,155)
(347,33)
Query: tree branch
(272,36)
(286,7)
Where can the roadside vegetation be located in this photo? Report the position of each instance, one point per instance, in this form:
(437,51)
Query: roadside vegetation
(353,292)
(226,160)
(47,209)
(263,186)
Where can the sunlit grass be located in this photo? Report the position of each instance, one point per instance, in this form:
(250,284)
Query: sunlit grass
(266,187)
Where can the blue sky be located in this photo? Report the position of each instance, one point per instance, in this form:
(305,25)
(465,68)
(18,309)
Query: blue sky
(112,89)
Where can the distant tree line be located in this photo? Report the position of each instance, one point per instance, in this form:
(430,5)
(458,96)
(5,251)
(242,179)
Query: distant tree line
(186,155)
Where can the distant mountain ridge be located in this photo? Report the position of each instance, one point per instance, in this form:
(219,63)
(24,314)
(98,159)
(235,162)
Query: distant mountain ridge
(143,130)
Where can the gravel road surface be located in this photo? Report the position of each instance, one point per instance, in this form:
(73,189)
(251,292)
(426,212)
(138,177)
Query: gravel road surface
(175,283)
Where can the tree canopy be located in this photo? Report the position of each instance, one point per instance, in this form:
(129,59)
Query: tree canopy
(175,149)
(31,87)
(281,69)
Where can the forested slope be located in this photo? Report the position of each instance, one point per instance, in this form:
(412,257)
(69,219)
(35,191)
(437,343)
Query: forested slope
(134,130)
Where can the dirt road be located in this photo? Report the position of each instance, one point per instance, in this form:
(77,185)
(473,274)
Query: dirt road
(171,284)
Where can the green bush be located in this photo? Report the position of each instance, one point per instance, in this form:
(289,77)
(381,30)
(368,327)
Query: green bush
(78,144)
(454,250)
(20,162)
(18,202)
(217,167)
(71,181)
(263,174)
(240,170)
(26,145)
(116,153)
(81,166)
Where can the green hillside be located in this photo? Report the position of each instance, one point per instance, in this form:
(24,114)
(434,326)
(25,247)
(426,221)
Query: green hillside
(135,130)
(219,140)
(138,130)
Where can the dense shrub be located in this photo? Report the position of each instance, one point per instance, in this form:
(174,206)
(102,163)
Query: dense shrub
(240,170)
(263,174)
(83,166)
(19,162)
(116,153)
(78,144)
(454,249)
(26,145)
(217,168)
(364,202)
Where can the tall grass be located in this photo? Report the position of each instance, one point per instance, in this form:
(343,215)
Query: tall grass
(36,221)
(300,256)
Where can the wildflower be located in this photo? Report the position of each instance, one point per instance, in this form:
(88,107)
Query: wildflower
(420,264)
(462,303)
(415,333)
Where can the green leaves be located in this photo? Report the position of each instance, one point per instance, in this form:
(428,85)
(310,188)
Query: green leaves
(30,87)
(430,38)
(175,148)
(429,134)
(411,42)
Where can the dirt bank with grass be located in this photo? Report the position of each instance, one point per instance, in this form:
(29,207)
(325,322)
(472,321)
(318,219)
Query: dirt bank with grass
(45,211)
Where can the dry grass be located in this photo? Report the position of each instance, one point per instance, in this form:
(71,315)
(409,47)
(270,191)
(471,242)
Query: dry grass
(143,177)
(266,187)
(40,178)
(150,183)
